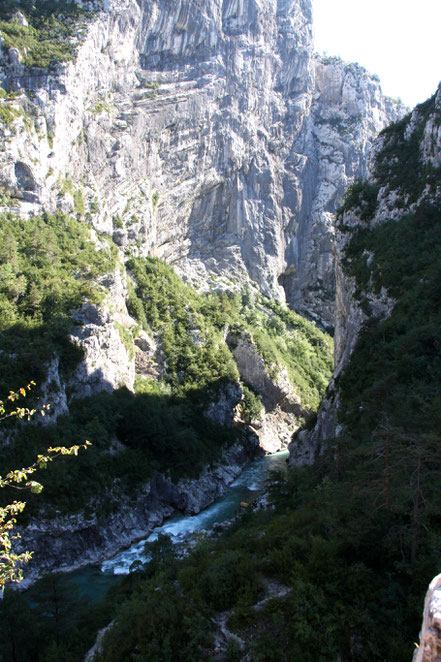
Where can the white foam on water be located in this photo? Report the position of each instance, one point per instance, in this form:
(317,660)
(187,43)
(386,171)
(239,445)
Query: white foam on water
(181,528)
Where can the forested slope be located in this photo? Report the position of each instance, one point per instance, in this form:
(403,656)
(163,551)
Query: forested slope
(353,540)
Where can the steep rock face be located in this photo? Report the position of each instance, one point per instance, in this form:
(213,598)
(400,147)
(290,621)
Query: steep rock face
(221,409)
(393,201)
(282,406)
(275,429)
(275,390)
(102,333)
(424,129)
(429,649)
(347,113)
(204,133)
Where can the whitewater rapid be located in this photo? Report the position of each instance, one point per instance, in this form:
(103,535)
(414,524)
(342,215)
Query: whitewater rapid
(181,528)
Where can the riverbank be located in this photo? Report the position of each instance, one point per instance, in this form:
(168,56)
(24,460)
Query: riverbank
(65,544)
(242,492)
(92,581)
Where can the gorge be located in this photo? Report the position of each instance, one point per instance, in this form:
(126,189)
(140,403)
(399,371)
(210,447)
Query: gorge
(169,185)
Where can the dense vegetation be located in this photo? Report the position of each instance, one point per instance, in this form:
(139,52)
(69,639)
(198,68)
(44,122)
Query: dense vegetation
(355,538)
(155,433)
(391,389)
(352,541)
(398,166)
(398,163)
(52,34)
(334,599)
(57,623)
(338,568)
(48,267)
(195,352)
(285,338)
(190,327)
(327,588)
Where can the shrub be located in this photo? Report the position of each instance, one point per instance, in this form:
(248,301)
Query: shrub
(48,265)
(251,403)
(53,33)
(361,198)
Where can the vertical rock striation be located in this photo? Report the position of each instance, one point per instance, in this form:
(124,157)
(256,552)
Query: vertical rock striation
(393,198)
(204,133)
(348,111)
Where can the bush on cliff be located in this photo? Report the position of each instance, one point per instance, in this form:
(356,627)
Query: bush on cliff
(195,352)
(48,267)
(53,32)
(190,327)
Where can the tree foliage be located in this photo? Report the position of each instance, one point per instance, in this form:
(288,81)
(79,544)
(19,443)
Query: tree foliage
(53,32)
(20,479)
(48,267)
(191,328)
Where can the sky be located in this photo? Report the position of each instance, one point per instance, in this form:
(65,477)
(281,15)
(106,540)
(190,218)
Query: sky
(399,40)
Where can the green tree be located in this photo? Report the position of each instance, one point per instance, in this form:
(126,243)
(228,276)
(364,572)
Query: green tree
(251,404)
(19,630)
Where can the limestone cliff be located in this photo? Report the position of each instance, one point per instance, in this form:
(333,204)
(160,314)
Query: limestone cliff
(403,178)
(429,648)
(347,113)
(282,407)
(205,133)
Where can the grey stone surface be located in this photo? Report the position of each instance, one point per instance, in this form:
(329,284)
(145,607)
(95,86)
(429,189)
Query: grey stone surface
(282,407)
(429,649)
(350,317)
(211,131)
(68,542)
(108,361)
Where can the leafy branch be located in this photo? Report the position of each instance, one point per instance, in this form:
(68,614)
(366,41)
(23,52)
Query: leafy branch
(10,562)
(20,412)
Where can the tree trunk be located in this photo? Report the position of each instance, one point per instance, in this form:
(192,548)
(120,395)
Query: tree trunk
(415,522)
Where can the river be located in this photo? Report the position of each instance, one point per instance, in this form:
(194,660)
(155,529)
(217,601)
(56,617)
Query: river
(92,582)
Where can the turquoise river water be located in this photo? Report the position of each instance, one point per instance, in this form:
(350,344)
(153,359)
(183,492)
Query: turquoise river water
(92,582)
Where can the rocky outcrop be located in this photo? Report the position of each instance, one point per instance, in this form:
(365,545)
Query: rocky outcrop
(107,337)
(429,649)
(97,647)
(103,331)
(347,113)
(275,389)
(146,363)
(212,483)
(422,128)
(282,406)
(275,429)
(223,402)
(307,444)
(64,543)
(207,134)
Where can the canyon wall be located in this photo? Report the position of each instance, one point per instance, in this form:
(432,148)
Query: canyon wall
(402,178)
(204,133)
(208,134)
